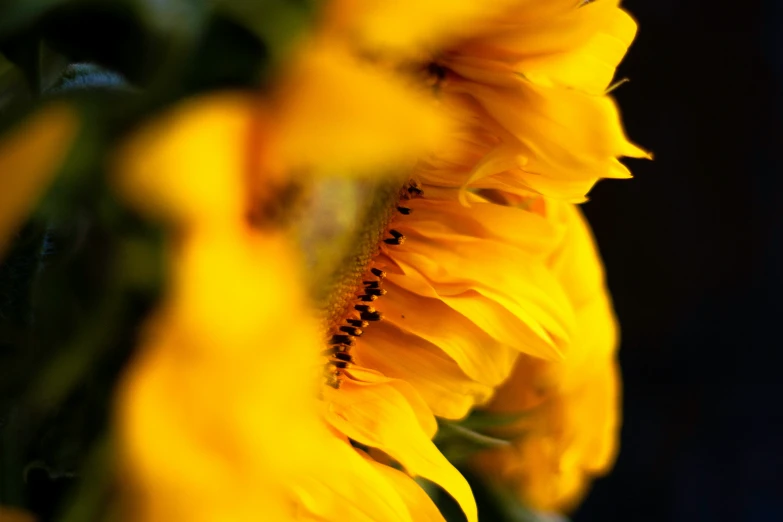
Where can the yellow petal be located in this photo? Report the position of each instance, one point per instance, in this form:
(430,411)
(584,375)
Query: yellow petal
(441,212)
(589,67)
(569,432)
(29,158)
(343,485)
(419,504)
(365,377)
(197,397)
(480,356)
(438,379)
(578,263)
(569,139)
(520,291)
(535,28)
(379,416)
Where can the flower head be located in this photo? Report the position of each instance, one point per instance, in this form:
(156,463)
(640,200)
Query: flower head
(467,287)
(450,284)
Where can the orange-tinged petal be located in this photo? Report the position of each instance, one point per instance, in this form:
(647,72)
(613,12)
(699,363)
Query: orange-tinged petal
(379,416)
(30,155)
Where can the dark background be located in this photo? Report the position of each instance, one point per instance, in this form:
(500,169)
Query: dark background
(692,248)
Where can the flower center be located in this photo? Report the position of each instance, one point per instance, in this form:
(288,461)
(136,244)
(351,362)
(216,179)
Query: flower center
(350,282)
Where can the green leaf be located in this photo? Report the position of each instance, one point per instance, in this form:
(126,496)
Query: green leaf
(461,439)
(459,443)
(482,420)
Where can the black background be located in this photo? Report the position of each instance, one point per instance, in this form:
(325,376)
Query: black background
(692,248)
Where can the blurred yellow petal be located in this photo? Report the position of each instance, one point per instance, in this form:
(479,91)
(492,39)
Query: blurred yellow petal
(591,66)
(532,28)
(405,25)
(234,419)
(30,155)
(569,431)
(12,514)
(191,158)
(200,352)
(348,117)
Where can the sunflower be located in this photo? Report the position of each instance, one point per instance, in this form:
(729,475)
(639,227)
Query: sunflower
(278,386)
(567,411)
(459,270)
(445,283)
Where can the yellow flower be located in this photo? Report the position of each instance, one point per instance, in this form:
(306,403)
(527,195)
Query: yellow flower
(567,431)
(30,155)
(450,280)
(469,244)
